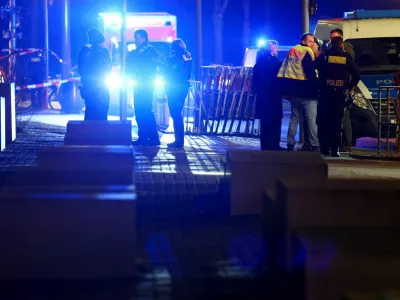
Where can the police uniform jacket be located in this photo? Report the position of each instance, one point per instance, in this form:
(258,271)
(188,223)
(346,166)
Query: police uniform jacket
(141,65)
(94,64)
(178,70)
(337,70)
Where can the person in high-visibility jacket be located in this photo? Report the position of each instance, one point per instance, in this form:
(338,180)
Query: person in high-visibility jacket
(299,85)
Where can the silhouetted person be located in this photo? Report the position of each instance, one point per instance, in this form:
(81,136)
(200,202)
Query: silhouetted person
(269,98)
(141,66)
(94,64)
(177,76)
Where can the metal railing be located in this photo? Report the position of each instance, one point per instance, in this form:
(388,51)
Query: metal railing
(387,122)
(225,104)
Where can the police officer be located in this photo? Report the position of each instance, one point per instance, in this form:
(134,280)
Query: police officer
(177,75)
(141,66)
(94,63)
(338,75)
(337,32)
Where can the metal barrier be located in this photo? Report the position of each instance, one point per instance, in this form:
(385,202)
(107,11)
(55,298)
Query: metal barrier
(224,103)
(387,121)
(193,108)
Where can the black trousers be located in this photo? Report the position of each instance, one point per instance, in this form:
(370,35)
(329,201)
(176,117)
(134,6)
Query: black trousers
(270,135)
(97,103)
(176,102)
(347,129)
(144,115)
(330,115)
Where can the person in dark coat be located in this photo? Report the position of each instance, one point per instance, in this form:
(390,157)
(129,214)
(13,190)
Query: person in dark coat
(141,66)
(178,72)
(94,64)
(269,99)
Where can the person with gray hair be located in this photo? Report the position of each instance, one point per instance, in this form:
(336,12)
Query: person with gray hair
(269,100)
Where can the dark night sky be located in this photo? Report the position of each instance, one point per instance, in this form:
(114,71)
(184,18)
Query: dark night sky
(285,20)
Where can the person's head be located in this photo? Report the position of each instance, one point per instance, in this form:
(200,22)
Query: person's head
(337,42)
(95,37)
(141,38)
(336,32)
(178,46)
(315,47)
(272,47)
(307,39)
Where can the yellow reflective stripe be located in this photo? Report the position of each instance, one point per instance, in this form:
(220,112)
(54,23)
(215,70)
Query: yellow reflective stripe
(341,60)
(292,66)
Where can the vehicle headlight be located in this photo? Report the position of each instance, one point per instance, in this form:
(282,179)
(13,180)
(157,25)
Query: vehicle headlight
(360,100)
(131,83)
(159,83)
(114,81)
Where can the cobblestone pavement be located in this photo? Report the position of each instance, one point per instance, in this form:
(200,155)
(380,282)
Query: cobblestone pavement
(189,248)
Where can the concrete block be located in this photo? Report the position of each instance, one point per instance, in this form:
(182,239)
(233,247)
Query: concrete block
(7,91)
(85,158)
(99,133)
(2,123)
(252,172)
(64,233)
(339,203)
(34,176)
(348,229)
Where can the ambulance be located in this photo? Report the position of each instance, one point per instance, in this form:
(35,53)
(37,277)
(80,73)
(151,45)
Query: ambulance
(162,30)
(375,37)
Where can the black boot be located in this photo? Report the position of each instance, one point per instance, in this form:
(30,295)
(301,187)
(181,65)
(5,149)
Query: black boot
(290,148)
(335,152)
(175,145)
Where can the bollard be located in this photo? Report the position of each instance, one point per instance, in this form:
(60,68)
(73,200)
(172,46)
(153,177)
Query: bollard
(2,123)
(98,133)
(71,233)
(7,91)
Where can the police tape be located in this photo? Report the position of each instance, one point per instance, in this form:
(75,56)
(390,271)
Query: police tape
(25,51)
(19,53)
(47,84)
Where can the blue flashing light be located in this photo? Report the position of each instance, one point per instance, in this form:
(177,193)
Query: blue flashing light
(372,14)
(261,43)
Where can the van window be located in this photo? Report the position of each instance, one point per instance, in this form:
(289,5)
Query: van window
(376,54)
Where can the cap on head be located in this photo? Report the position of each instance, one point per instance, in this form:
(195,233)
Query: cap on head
(143,34)
(178,46)
(337,42)
(95,36)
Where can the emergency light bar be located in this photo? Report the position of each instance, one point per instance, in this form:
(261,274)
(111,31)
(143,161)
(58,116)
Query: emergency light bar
(372,14)
(139,20)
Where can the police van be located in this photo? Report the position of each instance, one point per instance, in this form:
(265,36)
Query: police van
(375,37)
